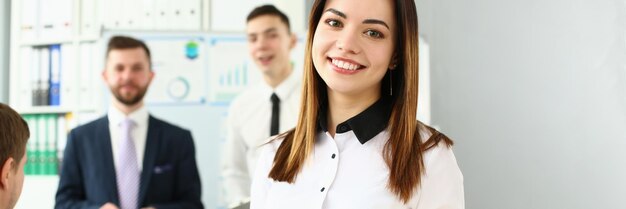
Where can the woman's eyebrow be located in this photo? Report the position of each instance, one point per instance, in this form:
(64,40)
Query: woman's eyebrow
(366,21)
(375,21)
(337,12)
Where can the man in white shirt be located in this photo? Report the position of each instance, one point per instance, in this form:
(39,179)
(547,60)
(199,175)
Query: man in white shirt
(264,110)
(129,159)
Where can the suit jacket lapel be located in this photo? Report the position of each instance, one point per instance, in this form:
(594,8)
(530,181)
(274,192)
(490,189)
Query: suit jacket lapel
(152,145)
(104,141)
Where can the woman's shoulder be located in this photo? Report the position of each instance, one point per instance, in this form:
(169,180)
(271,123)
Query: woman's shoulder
(442,183)
(437,148)
(268,148)
(272,143)
(266,154)
(431,137)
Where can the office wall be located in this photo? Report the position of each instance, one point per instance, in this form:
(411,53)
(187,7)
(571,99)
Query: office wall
(5,14)
(534,95)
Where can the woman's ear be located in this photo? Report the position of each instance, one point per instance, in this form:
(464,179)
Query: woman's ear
(394,61)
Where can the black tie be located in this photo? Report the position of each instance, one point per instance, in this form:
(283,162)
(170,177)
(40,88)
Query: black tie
(275,114)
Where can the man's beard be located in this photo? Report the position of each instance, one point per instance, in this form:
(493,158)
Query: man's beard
(141,92)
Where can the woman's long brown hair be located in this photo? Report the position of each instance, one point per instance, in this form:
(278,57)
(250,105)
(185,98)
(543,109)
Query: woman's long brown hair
(403,151)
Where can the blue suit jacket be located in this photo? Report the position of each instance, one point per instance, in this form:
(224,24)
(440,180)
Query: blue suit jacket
(169,178)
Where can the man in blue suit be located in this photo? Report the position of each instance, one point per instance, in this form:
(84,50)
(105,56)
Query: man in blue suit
(129,159)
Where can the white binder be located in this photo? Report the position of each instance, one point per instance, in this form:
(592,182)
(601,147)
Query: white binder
(147,13)
(68,76)
(163,14)
(111,13)
(35,76)
(86,72)
(44,77)
(29,20)
(25,76)
(63,19)
(190,17)
(47,19)
(90,25)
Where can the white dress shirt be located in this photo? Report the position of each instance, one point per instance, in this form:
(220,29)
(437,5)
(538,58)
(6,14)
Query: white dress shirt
(348,171)
(139,132)
(249,127)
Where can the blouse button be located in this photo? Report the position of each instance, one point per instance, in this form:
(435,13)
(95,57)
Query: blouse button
(323,188)
(333,156)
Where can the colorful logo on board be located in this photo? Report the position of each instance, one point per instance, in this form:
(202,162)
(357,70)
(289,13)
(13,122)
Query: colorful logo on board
(191,50)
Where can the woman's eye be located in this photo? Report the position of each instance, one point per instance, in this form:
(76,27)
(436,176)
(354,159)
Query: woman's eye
(373,33)
(333,23)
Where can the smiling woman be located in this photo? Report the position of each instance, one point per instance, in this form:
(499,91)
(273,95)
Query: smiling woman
(360,44)
(357,143)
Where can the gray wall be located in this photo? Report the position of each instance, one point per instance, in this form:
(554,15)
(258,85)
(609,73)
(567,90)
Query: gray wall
(534,94)
(5,14)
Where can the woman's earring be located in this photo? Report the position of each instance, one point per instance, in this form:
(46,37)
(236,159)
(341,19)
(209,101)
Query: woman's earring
(391,68)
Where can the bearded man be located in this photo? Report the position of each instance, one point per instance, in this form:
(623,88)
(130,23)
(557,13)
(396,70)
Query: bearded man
(129,159)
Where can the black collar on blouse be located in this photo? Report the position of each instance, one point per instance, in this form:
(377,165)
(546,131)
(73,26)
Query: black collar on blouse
(366,124)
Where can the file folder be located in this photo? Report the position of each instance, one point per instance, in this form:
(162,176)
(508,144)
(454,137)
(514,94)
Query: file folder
(39,145)
(55,75)
(25,76)
(35,77)
(44,79)
(90,25)
(29,20)
(68,76)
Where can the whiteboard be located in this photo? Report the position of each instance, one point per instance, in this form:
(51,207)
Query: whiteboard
(179,63)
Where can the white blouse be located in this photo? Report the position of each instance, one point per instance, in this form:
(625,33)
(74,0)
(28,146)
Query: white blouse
(344,173)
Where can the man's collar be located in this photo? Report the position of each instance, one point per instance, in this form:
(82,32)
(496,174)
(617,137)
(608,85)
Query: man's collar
(285,88)
(116,116)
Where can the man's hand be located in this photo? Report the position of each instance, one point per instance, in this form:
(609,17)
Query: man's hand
(109,205)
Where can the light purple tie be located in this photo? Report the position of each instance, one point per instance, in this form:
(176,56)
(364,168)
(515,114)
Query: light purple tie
(126,170)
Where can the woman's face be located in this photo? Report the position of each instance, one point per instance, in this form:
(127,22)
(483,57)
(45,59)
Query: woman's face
(353,45)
